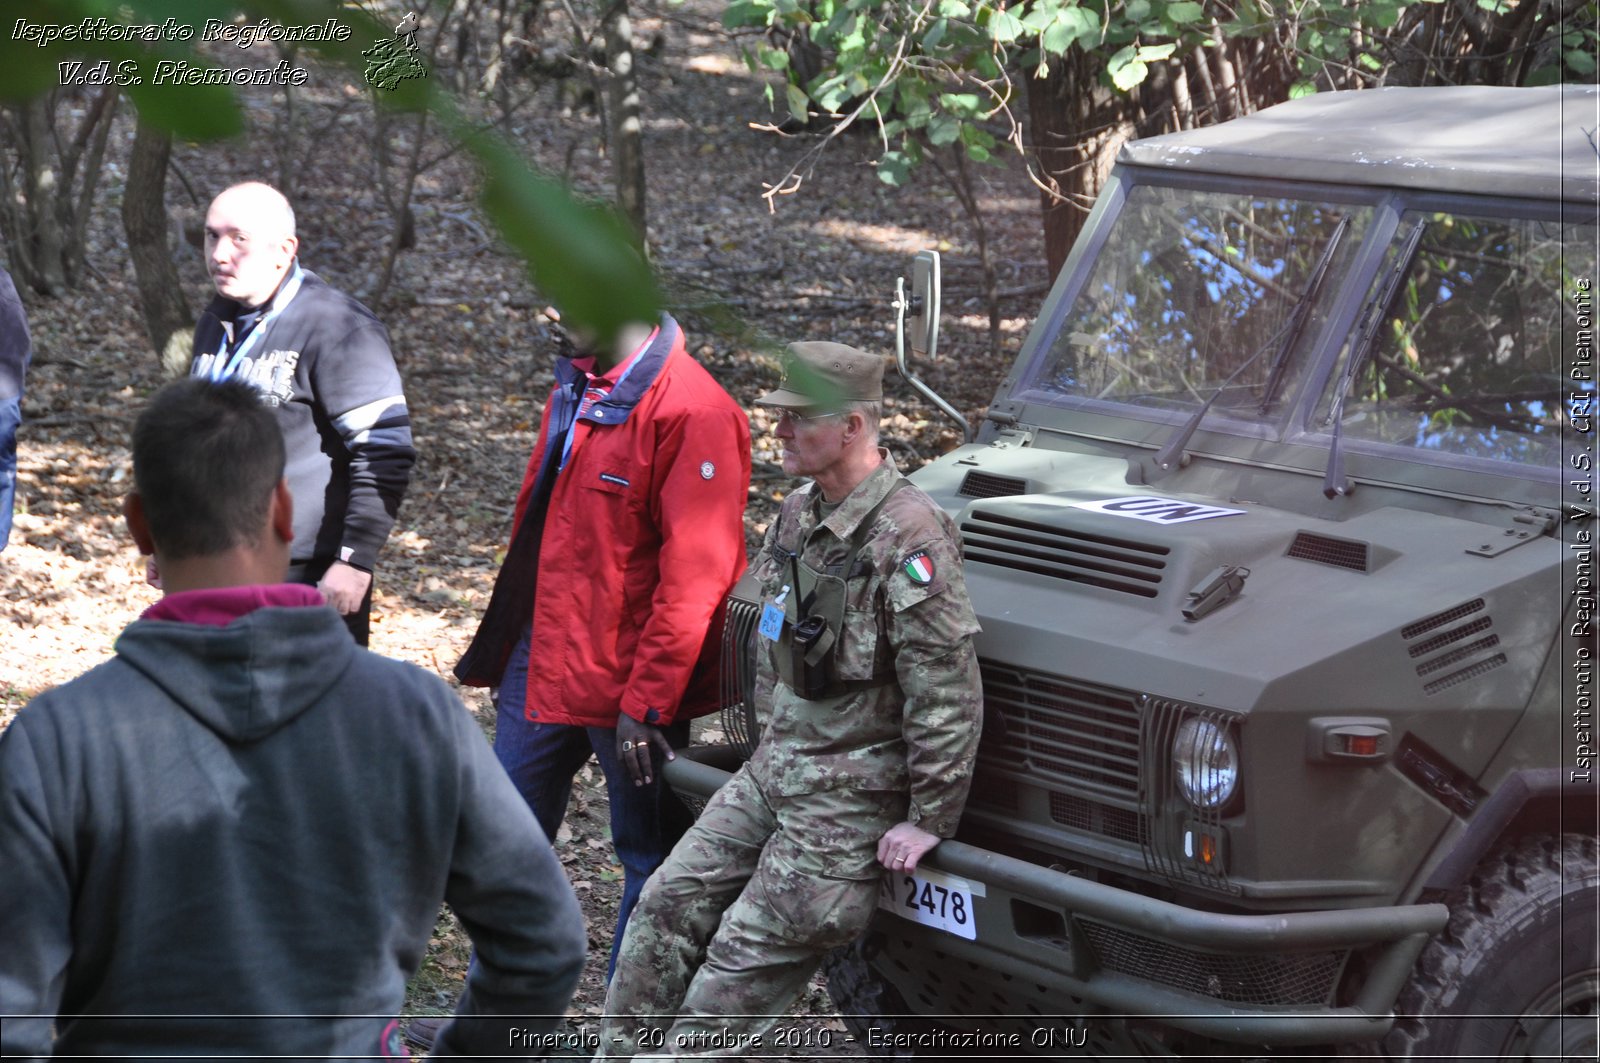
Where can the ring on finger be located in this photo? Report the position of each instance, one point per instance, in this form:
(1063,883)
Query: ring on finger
(627,746)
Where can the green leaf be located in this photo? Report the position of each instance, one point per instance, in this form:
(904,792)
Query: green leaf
(799,103)
(1125,69)
(1383,15)
(1154,53)
(774,58)
(580,255)
(1302,88)
(1058,38)
(961,104)
(1004,27)
(894,169)
(1082,21)
(1580,60)
(1183,12)
(1041,14)
(943,130)
(1137,11)
(742,13)
(935,34)
(832,92)
(954,9)
(194,112)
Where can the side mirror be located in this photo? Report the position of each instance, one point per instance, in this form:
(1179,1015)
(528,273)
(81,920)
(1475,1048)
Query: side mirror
(917,323)
(922,328)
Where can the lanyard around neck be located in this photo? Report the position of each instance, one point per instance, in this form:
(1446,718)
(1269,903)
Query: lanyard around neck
(224,368)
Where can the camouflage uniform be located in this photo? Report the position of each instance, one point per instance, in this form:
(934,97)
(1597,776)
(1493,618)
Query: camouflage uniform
(782,865)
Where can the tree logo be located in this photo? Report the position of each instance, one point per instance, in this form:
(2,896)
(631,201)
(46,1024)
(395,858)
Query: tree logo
(394,59)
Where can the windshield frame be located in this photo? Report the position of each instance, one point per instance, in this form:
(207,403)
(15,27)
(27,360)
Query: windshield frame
(1289,438)
(1303,429)
(1075,275)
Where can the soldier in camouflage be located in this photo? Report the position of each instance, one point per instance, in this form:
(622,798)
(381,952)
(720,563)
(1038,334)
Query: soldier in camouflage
(870,706)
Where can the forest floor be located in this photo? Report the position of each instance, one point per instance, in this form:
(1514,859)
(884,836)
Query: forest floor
(476,354)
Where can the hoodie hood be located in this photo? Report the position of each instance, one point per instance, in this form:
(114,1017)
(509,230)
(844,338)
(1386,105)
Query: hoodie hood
(245,680)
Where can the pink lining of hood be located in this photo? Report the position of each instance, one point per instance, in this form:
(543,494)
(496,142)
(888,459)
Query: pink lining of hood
(221,606)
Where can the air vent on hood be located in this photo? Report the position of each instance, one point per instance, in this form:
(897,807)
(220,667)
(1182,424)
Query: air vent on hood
(1326,550)
(989,485)
(1457,644)
(1108,561)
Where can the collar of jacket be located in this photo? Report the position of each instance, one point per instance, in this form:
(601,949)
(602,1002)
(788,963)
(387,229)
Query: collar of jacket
(842,522)
(225,310)
(616,407)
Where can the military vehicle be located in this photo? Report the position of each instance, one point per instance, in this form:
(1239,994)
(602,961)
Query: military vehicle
(1280,530)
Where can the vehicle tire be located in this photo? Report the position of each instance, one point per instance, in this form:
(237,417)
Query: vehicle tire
(1515,974)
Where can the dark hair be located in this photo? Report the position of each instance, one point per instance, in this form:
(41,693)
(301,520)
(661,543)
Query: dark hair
(206,457)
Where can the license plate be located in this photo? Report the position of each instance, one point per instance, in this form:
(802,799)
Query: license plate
(931,898)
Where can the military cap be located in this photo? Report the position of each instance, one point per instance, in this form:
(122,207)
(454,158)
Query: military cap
(818,373)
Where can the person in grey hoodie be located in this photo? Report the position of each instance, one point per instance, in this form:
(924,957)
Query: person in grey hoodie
(233,837)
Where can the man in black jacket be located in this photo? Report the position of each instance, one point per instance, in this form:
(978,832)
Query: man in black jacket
(322,361)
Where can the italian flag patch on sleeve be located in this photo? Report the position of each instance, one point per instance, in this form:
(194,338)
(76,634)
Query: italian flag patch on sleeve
(919,566)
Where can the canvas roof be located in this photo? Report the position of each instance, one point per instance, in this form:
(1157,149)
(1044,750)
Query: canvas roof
(1532,142)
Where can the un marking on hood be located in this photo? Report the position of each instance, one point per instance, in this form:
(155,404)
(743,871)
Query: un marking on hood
(1156,510)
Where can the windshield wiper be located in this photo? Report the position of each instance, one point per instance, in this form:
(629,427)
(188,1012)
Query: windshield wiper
(1300,313)
(1334,481)
(1283,341)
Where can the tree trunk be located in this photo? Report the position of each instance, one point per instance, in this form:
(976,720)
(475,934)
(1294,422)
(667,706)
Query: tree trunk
(46,197)
(1076,125)
(627,129)
(167,319)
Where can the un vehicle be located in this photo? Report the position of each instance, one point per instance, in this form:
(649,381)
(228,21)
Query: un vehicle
(1280,530)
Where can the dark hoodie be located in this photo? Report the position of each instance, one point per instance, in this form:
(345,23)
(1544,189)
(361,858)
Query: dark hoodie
(262,819)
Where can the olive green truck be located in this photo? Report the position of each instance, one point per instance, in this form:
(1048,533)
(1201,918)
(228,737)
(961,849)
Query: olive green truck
(1280,530)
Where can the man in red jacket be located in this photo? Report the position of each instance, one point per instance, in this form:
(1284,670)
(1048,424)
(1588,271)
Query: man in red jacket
(629,533)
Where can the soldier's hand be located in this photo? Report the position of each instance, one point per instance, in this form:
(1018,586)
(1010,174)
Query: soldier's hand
(634,742)
(903,844)
(344,587)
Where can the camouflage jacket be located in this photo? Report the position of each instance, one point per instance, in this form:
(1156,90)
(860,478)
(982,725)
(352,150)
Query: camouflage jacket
(907,606)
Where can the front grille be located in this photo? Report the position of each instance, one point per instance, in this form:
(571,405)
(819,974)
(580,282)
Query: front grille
(738,678)
(1092,817)
(989,485)
(1304,979)
(1326,550)
(1063,730)
(1109,562)
(993,791)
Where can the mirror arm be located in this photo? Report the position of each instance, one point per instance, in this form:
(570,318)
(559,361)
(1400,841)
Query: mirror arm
(902,303)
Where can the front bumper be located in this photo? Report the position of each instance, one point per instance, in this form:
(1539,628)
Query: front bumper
(1054,937)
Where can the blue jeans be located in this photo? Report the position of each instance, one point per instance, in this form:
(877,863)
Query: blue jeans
(10,418)
(543,758)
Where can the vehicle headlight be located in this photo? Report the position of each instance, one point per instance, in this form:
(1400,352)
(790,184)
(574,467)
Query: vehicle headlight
(1205,761)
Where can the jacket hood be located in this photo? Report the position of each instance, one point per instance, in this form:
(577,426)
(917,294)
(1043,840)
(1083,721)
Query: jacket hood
(248,679)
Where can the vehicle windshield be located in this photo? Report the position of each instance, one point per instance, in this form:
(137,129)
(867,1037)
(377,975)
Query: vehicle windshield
(1472,356)
(1190,286)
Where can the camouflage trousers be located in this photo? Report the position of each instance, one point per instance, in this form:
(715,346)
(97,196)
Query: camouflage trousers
(730,929)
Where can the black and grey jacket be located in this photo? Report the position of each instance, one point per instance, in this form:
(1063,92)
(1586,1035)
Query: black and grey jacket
(323,361)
